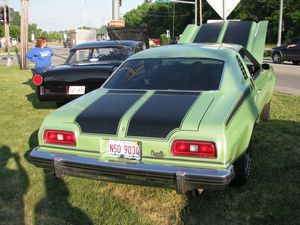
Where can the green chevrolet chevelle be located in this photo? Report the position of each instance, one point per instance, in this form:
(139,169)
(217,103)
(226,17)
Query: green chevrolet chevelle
(180,116)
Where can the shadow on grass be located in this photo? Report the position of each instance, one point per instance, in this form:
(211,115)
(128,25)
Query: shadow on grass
(33,98)
(54,208)
(13,187)
(272,195)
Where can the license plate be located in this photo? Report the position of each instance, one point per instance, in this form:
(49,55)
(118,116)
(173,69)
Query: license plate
(124,149)
(76,90)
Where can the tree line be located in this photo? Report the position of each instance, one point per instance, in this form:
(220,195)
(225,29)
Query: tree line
(159,17)
(14,30)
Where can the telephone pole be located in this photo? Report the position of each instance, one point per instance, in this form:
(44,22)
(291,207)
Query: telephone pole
(6,31)
(115,10)
(24,34)
(200,13)
(280,23)
(82,13)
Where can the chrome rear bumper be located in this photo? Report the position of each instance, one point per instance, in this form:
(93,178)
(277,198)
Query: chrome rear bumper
(183,179)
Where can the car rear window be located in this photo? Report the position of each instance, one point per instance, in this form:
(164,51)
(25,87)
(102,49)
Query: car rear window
(196,74)
(98,55)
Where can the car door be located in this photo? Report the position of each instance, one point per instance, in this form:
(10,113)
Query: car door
(290,53)
(258,77)
(297,49)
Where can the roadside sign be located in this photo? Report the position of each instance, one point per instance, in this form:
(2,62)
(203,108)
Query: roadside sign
(225,8)
(116,23)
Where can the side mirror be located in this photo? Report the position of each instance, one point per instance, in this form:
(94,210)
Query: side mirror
(265,66)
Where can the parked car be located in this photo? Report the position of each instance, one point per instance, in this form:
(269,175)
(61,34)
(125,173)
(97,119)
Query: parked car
(67,43)
(290,52)
(178,116)
(86,69)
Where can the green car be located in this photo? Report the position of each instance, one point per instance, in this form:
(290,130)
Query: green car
(179,116)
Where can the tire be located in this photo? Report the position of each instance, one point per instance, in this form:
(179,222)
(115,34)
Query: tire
(276,57)
(242,168)
(295,62)
(265,114)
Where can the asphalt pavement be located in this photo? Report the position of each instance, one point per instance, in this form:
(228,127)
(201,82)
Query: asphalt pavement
(287,74)
(288,77)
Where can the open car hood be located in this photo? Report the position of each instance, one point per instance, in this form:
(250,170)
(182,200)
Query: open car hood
(129,33)
(249,34)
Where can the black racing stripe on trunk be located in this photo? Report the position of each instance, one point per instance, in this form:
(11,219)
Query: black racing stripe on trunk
(238,105)
(104,114)
(118,91)
(161,114)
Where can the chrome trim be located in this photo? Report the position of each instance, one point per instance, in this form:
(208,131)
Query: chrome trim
(182,179)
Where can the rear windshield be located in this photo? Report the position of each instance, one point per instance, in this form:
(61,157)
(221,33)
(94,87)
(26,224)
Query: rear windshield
(98,55)
(194,74)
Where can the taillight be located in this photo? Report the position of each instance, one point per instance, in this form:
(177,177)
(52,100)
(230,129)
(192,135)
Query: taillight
(37,79)
(59,137)
(201,149)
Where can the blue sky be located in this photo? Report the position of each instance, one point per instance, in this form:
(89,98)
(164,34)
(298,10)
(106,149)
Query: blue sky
(55,15)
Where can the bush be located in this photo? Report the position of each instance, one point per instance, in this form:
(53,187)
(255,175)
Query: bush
(164,40)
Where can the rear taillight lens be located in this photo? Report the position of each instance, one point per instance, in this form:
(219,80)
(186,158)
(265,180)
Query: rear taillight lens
(59,137)
(190,148)
(37,79)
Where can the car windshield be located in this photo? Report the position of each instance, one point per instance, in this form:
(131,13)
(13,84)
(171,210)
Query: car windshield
(196,74)
(98,55)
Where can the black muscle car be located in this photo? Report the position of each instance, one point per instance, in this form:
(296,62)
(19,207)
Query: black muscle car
(290,52)
(86,69)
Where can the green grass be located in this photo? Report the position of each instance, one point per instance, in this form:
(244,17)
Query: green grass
(30,196)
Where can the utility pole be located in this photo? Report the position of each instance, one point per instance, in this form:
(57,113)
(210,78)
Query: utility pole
(200,13)
(173,25)
(24,33)
(115,10)
(224,18)
(196,11)
(280,23)
(82,13)
(6,31)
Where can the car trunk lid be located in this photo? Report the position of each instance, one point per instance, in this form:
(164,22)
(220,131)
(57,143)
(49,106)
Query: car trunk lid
(71,74)
(150,114)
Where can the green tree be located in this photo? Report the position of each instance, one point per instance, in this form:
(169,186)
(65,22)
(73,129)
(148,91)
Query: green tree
(159,16)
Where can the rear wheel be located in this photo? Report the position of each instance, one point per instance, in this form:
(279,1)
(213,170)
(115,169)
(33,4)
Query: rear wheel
(242,168)
(265,114)
(277,57)
(295,62)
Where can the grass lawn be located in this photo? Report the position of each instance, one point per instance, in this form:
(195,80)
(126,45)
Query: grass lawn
(30,196)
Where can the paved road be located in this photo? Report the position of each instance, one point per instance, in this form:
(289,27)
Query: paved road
(288,75)
(288,78)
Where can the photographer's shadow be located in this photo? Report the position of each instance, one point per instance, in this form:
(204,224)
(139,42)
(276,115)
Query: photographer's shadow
(13,187)
(54,208)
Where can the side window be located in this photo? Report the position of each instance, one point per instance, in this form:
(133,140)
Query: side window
(294,41)
(139,47)
(252,65)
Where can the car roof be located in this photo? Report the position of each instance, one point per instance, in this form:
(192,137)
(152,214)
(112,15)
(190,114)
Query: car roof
(214,51)
(128,43)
